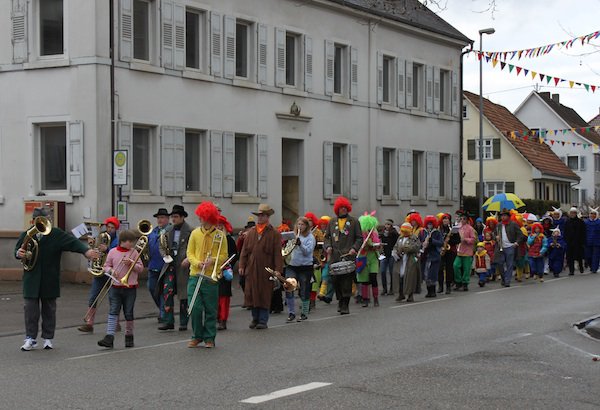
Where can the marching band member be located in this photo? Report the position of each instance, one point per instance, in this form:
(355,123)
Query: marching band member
(207,250)
(368,257)
(432,246)
(41,284)
(239,244)
(448,254)
(313,223)
(389,239)
(592,245)
(508,237)
(342,237)
(224,282)
(416,221)
(112,225)
(301,268)
(464,253)
(326,290)
(118,262)
(406,251)
(262,249)
(156,259)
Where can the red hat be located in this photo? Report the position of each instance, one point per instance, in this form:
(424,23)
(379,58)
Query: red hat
(208,212)
(342,202)
(431,219)
(312,217)
(112,220)
(223,221)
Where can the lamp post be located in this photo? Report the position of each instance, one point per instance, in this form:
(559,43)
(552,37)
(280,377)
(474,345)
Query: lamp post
(481,184)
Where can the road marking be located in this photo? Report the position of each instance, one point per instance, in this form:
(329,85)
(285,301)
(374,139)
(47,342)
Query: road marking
(419,303)
(284,393)
(125,350)
(288,324)
(585,353)
(512,337)
(516,286)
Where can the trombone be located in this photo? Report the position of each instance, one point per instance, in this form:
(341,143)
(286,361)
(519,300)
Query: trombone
(214,276)
(30,245)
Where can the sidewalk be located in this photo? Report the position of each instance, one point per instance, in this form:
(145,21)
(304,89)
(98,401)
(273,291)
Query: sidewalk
(72,305)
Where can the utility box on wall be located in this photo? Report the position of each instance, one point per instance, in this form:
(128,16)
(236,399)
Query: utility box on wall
(54,209)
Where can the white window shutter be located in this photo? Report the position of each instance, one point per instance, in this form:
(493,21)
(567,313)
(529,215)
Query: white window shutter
(279,57)
(228,163)
(75,158)
(433,175)
(308,64)
(172,160)
(354,169)
(409,173)
(126,30)
(327,170)
(179,19)
(215,44)
(400,166)
(455,177)
(229,68)
(125,136)
(400,69)
(354,73)
(379,171)
(329,66)
(167,19)
(582,163)
(263,165)
(216,163)
(455,100)
(262,53)
(436,90)
(429,89)
(179,156)
(379,77)
(409,84)
(19,31)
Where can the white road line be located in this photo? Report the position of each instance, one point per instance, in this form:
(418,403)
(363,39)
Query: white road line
(419,303)
(587,354)
(126,350)
(288,324)
(284,393)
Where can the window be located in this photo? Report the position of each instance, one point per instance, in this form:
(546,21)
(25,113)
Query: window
(53,157)
(51,27)
(584,197)
(465,112)
(242,163)
(388,75)
(417,86)
(338,168)
(141,30)
(195,165)
(445,86)
(493,188)
(388,155)
(339,69)
(141,151)
(291,58)
(194,48)
(487,149)
(573,162)
(418,168)
(597,162)
(445,175)
(242,44)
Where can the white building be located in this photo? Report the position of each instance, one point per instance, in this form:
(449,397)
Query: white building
(544,112)
(200,94)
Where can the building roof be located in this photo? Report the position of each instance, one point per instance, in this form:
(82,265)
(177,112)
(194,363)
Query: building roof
(539,155)
(410,12)
(570,116)
(595,122)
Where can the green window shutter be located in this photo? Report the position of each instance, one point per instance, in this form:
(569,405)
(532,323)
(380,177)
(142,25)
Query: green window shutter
(509,187)
(471,149)
(496,148)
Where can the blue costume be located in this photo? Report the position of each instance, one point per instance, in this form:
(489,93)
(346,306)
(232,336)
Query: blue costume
(556,254)
(592,245)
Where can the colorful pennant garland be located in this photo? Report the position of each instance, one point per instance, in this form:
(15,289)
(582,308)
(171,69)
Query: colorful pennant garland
(543,136)
(539,51)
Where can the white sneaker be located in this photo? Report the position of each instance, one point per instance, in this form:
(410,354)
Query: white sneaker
(29,344)
(48,344)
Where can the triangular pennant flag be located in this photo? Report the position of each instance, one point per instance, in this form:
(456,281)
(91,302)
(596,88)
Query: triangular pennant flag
(479,56)
(563,143)
(593,88)
(519,70)
(502,65)
(542,77)
(487,59)
(510,68)
(556,80)
(533,74)
(552,142)
(525,137)
(548,79)
(587,87)
(525,72)
(571,83)
(564,131)
(494,63)
(520,54)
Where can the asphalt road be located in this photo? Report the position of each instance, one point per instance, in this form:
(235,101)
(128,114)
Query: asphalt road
(499,348)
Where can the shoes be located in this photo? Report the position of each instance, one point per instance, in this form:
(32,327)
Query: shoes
(400,298)
(410,298)
(376,302)
(311,305)
(86,328)
(222,325)
(291,317)
(326,300)
(448,289)
(167,326)
(29,344)
(182,328)
(128,340)
(107,342)
(365,303)
(481,283)
(440,289)
(556,275)
(571,274)
(302,318)
(581,269)
(194,343)
(344,308)
(541,279)
(209,344)
(390,293)
(261,326)
(506,285)
(465,288)
(253,324)
(48,344)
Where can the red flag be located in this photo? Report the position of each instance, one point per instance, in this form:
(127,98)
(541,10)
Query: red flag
(519,70)
(556,80)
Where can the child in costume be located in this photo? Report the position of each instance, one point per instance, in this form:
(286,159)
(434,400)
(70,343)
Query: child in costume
(313,223)
(538,245)
(556,252)
(481,263)
(369,255)
(490,244)
(326,290)
(406,251)
(521,251)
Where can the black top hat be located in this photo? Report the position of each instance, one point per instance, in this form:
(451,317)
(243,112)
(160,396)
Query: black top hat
(505,212)
(162,212)
(39,212)
(179,210)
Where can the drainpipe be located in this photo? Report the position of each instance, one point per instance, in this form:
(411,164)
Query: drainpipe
(112,100)
(460,101)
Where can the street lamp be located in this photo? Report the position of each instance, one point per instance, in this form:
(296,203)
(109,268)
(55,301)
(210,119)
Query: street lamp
(481,184)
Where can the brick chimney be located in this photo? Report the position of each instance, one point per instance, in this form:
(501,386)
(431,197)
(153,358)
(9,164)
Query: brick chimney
(556,98)
(545,94)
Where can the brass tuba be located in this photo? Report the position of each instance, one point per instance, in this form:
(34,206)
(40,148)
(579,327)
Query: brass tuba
(97,266)
(30,245)
(144,227)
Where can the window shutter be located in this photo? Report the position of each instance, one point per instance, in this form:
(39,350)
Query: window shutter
(126,30)
(216,164)
(172,160)
(228,163)
(75,158)
(279,57)
(455,100)
(400,67)
(496,148)
(308,64)
(379,77)
(401,171)
(215,44)
(471,150)
(409,84)
(354,171)
(167,33)
(429,89)
(329,65)
(436,90)
(229,68)
(19,31)
(327,170)
(263,166)
(379,171)
(433,175)
(455,177)
(262,53)
(179,19)
(582,163)
(509,187)
(125,136)
(354,73)
(409,173)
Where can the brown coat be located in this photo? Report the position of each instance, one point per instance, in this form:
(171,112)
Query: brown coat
(341,242)
(258,253)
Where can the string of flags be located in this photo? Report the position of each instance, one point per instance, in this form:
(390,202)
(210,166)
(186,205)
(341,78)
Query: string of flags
(539,51)
(542,136)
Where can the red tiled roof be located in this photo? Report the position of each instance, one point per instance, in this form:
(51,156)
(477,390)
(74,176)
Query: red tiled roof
(539,155)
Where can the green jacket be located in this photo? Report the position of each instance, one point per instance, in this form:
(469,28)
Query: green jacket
(43,281)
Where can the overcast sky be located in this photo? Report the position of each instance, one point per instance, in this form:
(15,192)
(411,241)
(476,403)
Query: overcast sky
(521,24)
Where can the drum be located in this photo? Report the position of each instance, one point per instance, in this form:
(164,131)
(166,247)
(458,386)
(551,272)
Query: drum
(342,268)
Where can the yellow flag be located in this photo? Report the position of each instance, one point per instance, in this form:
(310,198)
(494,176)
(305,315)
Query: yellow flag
(533,74)
(571,83)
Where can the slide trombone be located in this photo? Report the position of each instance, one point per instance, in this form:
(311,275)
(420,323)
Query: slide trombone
(217,236)
(30,245)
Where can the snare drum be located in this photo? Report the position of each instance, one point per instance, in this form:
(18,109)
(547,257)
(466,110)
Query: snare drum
(342,268)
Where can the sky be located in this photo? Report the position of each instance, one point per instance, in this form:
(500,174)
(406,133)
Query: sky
(522,24)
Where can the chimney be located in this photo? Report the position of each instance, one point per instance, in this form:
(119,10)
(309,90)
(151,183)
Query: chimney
(545,94)
(556,98)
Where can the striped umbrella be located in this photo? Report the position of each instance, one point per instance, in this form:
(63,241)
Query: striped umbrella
(502,201)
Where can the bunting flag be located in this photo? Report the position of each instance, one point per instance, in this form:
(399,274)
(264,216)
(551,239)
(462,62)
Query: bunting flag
(539,51)
(542,136)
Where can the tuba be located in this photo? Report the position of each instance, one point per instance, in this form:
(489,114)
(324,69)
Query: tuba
(97,265)
(30,245)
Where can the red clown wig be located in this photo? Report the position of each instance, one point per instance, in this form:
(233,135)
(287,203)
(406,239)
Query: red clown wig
(535,226)
(112,220)
(342,202)
(208,213)
(313,218)
(431,219)
(226,225)
(415,216)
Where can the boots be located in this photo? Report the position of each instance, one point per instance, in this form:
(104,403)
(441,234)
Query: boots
(431,292)
(441,288)
(410,298)
(365,302)
(345,309)
(222,325)
(89,323)
(376,302)
(448,288)
(107,341)
(128,340)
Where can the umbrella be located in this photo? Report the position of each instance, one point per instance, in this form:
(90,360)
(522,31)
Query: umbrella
(530,217)
(502,201)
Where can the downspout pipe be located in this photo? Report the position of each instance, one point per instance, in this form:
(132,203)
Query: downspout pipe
(460,101)
(111,40)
